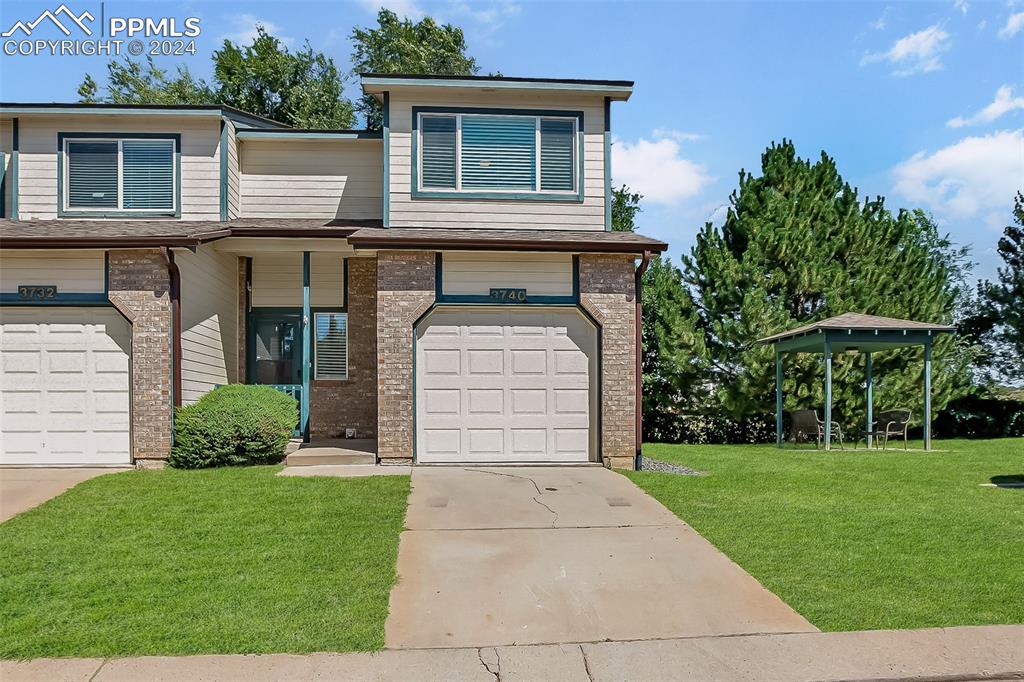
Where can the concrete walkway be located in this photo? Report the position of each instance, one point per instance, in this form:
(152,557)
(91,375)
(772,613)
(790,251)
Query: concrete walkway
(22,489)
(546,555)
(992,653)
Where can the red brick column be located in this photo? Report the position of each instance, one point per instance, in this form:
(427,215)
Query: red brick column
(607,293)
(405,290)
(352,403)
(139,287)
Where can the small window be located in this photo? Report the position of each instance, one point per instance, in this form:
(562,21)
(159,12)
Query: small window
(491,153)
(132,175)
(331,351)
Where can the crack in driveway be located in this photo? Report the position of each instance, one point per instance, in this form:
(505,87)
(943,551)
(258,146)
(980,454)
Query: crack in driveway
(497,663)
(536,487)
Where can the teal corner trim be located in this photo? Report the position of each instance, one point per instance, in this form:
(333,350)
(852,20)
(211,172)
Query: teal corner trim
(387,159)
(61,213)
(3,184)
(15,143)
(608,164)
(223,169)
(574,197)
(306,349)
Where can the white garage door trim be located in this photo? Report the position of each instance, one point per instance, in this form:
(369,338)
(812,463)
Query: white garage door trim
(506,384)
(65,378)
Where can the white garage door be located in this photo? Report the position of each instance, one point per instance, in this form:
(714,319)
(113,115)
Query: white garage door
(505,385)
(64,395)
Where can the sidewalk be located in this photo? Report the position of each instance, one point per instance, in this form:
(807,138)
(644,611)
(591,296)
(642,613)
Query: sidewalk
(986,652)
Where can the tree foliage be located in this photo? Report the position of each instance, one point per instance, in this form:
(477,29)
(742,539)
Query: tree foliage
(797,246)
(302,89)
(404,46)
(625,207)
(998,321)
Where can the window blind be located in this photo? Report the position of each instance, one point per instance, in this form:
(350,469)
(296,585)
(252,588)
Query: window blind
(499,152)
(556,155)
(331,352)
(438,136)
(148,169)
(92,174)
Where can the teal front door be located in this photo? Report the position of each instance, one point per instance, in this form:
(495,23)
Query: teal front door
(275,350)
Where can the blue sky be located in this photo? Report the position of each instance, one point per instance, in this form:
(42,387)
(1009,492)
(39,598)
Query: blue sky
(920,102)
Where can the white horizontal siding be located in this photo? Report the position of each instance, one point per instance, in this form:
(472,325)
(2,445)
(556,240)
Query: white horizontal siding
(209,320)
(80,272)
(541,274)
(200,158)
(406,211)
(6,146)
(277,280)
(312,179)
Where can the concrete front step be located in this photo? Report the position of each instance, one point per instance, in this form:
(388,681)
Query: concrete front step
(328,456)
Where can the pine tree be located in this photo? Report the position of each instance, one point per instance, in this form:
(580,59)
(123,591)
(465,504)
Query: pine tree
(797,246)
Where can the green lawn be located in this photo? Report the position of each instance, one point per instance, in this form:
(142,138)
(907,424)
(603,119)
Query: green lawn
(188,562)
(863,540)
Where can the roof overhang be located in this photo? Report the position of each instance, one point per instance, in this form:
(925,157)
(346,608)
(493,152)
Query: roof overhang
(566,241)
(244,118)
(377,84)
(257,134)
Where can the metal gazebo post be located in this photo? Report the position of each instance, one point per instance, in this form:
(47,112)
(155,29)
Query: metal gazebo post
(870,400)
(928,392)
(828,393)
(778,397)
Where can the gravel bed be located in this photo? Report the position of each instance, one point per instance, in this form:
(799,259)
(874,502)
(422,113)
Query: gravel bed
(651,464)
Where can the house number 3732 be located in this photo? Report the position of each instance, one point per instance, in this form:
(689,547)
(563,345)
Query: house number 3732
(37,292)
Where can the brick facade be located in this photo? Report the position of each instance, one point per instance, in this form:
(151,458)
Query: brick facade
(607,292)
(337,405)
(405,290)
(139,287)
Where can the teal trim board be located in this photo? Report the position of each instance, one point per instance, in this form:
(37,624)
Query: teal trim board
(59,299)
(3,184)
(15,142)
(387,159)
(118,213)
(307,360)
(223,169)
(607,163)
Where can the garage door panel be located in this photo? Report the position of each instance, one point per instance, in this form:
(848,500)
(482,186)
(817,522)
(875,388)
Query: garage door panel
(504,386)
(65,396)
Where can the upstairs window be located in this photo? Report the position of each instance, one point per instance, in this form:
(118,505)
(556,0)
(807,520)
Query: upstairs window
(119,175)
(498,153)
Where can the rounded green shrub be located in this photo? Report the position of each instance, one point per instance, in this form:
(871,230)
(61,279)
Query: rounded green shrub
(232,425)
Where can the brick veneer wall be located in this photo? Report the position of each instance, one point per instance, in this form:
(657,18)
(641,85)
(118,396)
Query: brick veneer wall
(139,287)
(337,405)
(405,290)
(607,292)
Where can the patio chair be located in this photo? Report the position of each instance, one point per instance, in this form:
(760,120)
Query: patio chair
(805,423)
(892,423)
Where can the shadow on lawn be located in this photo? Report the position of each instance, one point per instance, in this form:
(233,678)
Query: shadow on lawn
(1009,481)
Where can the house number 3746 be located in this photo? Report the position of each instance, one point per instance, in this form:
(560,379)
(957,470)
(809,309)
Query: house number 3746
(37,292)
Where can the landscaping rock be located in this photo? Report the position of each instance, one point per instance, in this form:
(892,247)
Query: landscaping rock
(651,464)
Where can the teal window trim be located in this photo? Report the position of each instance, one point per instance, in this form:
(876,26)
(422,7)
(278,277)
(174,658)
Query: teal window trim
(15,146)
(485,299)
(608,164)
(62,137)
(387,159)
(223,169)
(552,196)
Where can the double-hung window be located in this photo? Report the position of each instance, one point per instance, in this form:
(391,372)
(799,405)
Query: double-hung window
(496,154)
(103,175)
(330,350)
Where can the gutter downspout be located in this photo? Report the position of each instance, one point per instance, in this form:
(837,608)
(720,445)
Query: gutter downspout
(638,284)
(175,285)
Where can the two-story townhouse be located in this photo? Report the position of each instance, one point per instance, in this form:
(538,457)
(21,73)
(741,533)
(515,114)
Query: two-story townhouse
(448,286)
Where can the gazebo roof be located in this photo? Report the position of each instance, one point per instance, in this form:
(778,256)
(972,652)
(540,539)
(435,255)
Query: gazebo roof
(857,331)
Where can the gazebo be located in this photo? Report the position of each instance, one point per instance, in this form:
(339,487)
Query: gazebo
(862,334)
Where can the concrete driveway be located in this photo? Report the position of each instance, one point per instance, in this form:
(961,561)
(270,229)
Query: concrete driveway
(503,556)
(22,489)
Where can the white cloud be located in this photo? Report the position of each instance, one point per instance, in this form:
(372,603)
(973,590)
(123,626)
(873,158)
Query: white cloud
(1004,103)
(962,5)
(915,53)
(1014,24)
(403,8)
(975,177)
(677,135)
(655,169)
(482,21)
(882,21)
(243,29)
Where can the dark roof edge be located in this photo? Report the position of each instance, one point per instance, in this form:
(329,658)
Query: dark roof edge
(375,242)
(499,79)
(225,109)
